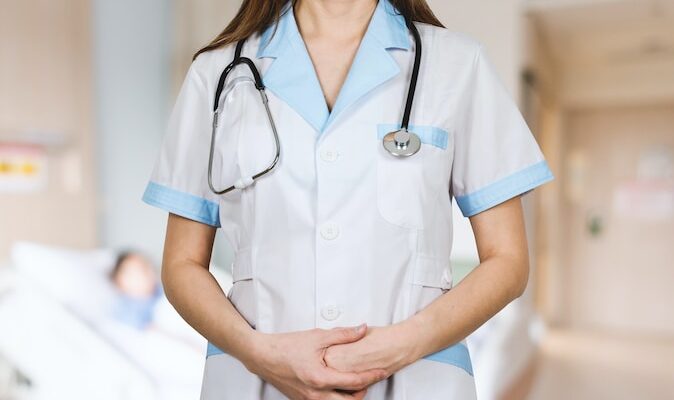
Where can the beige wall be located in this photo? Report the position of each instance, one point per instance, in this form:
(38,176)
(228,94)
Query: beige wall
(619,279)
(498,24)
(197,22)
(45,85)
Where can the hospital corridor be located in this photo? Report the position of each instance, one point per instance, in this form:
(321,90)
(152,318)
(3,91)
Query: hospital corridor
(88,92)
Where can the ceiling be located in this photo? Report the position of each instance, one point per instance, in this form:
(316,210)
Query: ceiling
(604,31)
(629,40)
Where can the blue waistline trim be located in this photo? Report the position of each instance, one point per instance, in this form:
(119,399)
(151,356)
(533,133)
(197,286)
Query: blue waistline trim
(184,204)
(456,355)
(504,189)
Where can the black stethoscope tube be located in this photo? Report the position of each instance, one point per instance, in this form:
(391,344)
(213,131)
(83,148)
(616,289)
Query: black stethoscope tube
(415,74)
(399,149)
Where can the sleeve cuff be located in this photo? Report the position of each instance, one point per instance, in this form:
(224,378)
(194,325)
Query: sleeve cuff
(184,204)
(504,189)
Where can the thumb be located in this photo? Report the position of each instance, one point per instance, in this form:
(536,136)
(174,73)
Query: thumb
(345,335)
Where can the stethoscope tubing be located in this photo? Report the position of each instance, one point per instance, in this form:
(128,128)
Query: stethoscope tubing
(259,85)
(415,75)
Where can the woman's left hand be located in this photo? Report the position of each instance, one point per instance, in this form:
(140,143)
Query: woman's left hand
(389,348)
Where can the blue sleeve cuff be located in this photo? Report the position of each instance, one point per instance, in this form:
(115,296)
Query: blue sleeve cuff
(183,204)
(504,189)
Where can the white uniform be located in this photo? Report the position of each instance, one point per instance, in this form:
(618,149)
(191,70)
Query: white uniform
(341,232)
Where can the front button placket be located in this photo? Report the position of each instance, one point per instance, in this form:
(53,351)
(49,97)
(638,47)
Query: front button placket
(329,303)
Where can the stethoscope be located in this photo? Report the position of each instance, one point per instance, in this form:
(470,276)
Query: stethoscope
(400,143)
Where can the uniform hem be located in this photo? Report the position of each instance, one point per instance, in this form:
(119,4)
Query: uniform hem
(496,193)
(456,355)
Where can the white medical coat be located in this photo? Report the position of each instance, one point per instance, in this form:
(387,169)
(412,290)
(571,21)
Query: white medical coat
(341,232)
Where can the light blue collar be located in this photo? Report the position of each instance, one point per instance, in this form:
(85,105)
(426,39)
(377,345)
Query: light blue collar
(292,77)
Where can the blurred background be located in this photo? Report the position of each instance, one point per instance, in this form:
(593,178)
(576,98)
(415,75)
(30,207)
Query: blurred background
(86,87)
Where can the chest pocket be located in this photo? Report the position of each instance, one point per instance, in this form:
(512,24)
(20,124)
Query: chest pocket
(408,187)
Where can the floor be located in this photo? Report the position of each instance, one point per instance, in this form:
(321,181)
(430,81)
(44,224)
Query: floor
(587,365)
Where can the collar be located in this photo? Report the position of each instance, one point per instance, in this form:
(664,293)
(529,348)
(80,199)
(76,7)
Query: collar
(292,77)
(387,26)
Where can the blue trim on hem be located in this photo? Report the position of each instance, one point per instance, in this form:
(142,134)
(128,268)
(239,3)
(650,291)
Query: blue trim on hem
(184,204)
(211,350)
(506,188)
(456,355)
(428,134)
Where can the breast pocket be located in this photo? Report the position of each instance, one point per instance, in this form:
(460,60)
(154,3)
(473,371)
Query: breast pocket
(408,186)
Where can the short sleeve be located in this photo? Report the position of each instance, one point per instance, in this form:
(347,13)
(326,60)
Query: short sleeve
(495,154)
(179,179)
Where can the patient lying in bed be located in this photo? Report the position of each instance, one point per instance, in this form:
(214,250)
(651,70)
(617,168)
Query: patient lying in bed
(138,289)
(115,299)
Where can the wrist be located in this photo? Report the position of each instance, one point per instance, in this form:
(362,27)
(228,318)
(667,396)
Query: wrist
(416,336)
(254,350)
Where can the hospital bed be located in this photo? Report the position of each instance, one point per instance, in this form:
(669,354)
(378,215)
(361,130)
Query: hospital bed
(54,334)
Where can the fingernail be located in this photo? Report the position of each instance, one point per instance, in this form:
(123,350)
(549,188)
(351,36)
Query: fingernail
(359,328)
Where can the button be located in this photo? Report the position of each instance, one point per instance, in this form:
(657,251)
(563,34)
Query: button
(330,312)
(329,231)
(329,155)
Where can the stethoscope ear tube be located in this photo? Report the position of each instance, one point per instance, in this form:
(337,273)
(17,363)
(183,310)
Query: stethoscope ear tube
(243,182)
(259,85)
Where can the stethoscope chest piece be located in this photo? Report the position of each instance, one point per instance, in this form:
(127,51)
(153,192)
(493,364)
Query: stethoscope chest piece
(402,143)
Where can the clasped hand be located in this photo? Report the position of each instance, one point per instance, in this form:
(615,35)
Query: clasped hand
(335,364)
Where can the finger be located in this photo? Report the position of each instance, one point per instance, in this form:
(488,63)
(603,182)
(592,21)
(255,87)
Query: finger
(354,395)
(334,379)
(344,335)
(359,395)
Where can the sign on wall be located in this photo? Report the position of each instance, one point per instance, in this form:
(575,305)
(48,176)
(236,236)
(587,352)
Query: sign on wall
(23,168)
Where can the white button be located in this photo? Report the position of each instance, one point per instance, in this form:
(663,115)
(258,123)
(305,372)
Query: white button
(329,231)
(330,312)
(329,155)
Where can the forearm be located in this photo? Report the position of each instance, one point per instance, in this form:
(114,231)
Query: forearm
(453,316)
(198,298)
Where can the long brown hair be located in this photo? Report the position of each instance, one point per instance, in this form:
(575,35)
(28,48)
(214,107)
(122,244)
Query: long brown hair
(256,15)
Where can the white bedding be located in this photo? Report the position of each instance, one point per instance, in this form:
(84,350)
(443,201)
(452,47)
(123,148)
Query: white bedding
(55,330)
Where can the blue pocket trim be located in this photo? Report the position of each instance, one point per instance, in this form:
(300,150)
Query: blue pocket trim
(456,355)
(506,188)
(184,204)
(428,134)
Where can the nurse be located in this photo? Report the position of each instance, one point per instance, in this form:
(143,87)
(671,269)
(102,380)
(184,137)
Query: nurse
(342,279)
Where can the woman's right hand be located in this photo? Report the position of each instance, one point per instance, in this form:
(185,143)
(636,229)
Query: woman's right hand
(293,363)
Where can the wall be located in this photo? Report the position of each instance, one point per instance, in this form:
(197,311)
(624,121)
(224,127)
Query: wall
(497,24)
(132,59)
(620,171)
(46,86)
